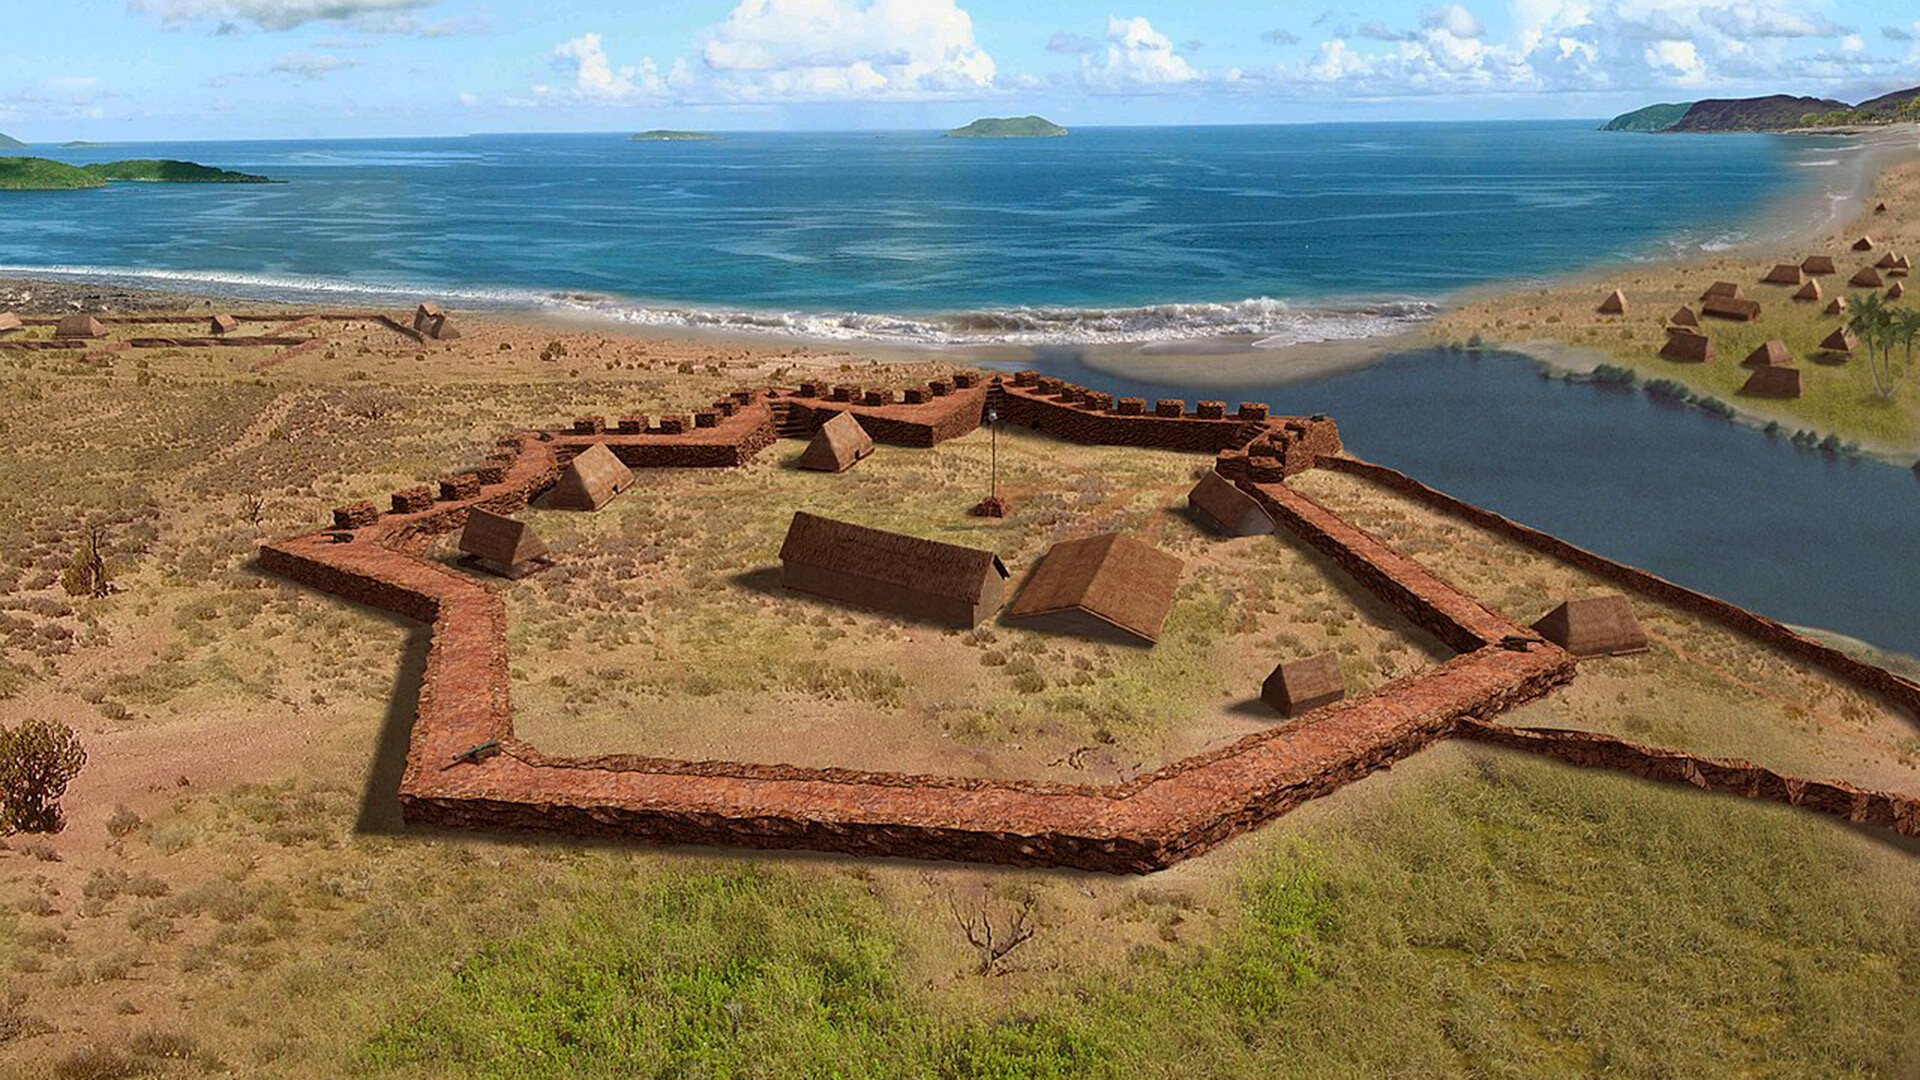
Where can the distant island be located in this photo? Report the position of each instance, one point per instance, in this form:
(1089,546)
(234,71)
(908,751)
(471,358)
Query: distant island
(40,174)
(82,144)
(10,142)
(664,135)
(1008,127)
(1774,112)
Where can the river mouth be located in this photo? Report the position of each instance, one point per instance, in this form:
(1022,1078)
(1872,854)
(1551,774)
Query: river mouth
(1799,535)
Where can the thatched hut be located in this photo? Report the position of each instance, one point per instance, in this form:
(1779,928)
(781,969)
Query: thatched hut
(1216,500)
(1594,626)
(590,480)
(1721,288)
(1865,243)
(1809,293)
(839,443)
(1867,278)
(1773,382)
(1783,274)
(1839,306)
(1299,685)
(79,326)
(1880,208)
(1687,347)
(1818,264)
(1771,354)
(1738,309)
(1840,342)
(1888,261)
(503,546)
(905,575)
(1684,317)
(1614,304)
(1112,587)
(1896,290)
(10,322)
(221,325)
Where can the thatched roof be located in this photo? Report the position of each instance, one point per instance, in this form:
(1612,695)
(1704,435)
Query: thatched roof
(1770,354)
(79,326)
(9,321)
(1614,304)
(1784,274)
(1840,341)
(1880,208)
(590,480)
(1839,306)
(1721,288)
(503,540)
(1896,290)
(1867,278)
(1684,317)
(1730,307)
(889,558)
(1594,626)
(1110,586)
(1865,243)
(1888,261)
(1687,347)
(1227,508)
(1299,685)
(1809,292)
(1819,264)
(839,443)
(223,324)
(1773,382)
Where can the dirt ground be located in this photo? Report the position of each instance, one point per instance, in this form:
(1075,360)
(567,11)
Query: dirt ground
(234,894)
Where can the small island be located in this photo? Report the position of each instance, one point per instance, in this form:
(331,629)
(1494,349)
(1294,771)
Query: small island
(82,144)
(1009,127)
(41,174)
(664,135)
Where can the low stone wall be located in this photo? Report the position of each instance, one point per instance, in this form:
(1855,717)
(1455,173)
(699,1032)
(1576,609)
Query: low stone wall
(949,414)
(1887,810)
(1902,692)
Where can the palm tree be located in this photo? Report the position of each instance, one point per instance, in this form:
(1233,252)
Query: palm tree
(1879,327)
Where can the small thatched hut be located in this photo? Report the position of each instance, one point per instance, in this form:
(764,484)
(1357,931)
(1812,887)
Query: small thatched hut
(1888,261)
(590,480)
(1865,243)
(1224,506)
(1614,304)
(1840,341)
(1819,264)
(906,575)
(1839,306)
(1771,354)
(1810,292)
(1867,278)
(1773,382)
(503,546)
(1783,274)
(1684,317)
(1880,208)
(9,322)
(1111,587)
(73,326)
(1896,290)
(1721,288)
(1594,626)
(1687,347)
(1298,685)
(223,324)
(839,443)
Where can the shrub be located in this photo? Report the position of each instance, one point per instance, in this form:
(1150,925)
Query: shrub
(38,759)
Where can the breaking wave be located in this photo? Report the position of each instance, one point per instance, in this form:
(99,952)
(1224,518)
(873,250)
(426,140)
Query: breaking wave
(1273,323)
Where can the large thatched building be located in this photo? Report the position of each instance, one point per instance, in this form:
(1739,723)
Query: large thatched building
(1217,501)
(1773,381)
(1818,264)
(1784,274)
(906,575)
(1687,347)
(590,480)
(1736,308)
(839,443)
(1112,587)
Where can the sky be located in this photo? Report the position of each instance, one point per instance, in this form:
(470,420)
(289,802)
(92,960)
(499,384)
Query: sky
(207,69)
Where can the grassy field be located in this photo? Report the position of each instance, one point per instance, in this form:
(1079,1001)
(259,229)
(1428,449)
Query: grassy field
(234,895)
(1837,399)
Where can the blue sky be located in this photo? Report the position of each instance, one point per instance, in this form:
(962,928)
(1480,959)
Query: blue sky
(180,69)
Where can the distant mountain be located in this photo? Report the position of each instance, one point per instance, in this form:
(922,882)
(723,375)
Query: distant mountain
(40,174)
(1651,118)
(82,144)
(663,135)
(1775,112)
(1008,127)
(10,143)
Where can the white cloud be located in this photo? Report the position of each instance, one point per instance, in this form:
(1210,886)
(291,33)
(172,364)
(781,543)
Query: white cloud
(1139,59)
(276,14)
(310,66)
(596,78)
(1744,22)
(1455,20)
(813,49)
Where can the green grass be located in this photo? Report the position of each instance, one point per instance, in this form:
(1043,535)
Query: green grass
(1512,919)
(39,174)
(172,172)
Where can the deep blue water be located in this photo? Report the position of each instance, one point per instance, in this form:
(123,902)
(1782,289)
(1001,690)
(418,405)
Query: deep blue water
(1797,535)
(909,235)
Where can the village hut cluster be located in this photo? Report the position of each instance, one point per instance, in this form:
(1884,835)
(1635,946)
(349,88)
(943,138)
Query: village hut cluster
(1772,369)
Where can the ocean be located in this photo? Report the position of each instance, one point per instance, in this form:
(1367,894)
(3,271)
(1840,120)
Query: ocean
(1287,233)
